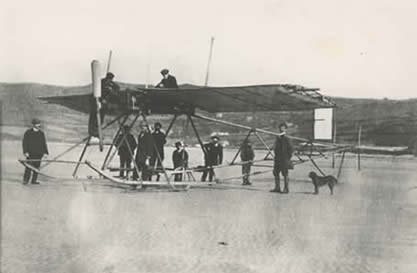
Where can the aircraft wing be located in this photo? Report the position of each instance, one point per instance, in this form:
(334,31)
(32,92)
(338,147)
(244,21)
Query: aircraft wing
(76,102)
(238,98)
(215,99)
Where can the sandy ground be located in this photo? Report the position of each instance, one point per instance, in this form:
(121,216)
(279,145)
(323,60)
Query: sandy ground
(368,225)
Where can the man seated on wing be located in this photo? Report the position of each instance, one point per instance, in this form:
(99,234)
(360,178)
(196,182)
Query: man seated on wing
(109,94)
(168,81)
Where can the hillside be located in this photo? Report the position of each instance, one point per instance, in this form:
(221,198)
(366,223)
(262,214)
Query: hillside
(384,122)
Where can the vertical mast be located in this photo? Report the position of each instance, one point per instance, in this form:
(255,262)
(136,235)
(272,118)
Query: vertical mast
(209,61)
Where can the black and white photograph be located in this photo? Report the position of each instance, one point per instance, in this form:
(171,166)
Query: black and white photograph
(208,136)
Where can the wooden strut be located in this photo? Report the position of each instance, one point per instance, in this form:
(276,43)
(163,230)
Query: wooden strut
(359,147)
(240,176)
(25,163)
(81,157)
(51,161)
(310,143)
(79,143)
(171,124)
(244,127)
(137,183)
(270,152)
(340,165)
(88,142)
(315,165)
(240,147)
(114,140)
(196,134)
(115,151)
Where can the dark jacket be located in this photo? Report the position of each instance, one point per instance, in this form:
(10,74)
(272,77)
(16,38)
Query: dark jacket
(109,89)
(123,148)
(169,82)
(34,143)
(283,152)
(214,155)
(180,158)
(109,93)
(145,146)
(247,153)
(160,140)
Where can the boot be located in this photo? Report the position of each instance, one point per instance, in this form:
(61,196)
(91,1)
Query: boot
(277,186)
(286,190)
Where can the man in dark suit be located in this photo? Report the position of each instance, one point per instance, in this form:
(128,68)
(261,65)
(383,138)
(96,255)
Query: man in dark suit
(180,160)
(168,81)
(282,161)
(109,94)
(144,152)
(246,155)
(212,157)
(126,144)
(160,140)
(34,148)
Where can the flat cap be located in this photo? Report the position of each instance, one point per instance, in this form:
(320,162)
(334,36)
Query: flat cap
(36,121)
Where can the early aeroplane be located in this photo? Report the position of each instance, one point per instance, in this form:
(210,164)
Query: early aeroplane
(141,102)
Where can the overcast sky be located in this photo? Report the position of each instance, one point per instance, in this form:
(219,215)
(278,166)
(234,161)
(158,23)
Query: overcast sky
(353,48)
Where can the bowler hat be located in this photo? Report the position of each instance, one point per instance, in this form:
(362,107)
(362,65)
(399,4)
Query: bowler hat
(36,121)
(164,71)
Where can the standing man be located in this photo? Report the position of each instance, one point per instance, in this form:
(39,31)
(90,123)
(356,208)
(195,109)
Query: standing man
(144,152)
(282,162)
(180,160)
(160,140)
(109,93)
(168,81)
(34,148)
(126,145)
(246,155)
(213,157)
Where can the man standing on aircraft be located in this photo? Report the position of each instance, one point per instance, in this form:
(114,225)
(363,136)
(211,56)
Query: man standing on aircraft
(126,144)
(212,157)
(109,94)
(144,152)
(34,148)
(282,162)
(160,140)
(168,81)
(246,155)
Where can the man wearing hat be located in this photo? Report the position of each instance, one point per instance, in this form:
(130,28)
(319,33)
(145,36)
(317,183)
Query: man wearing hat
(109,93)
(126,145)
(168,81)
(282,161)
(34,148)
(160,140)
(145,151)
(212,157)
(180,160)
(246,155)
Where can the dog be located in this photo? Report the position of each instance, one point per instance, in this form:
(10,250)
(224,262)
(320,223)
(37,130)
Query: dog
(319,181)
